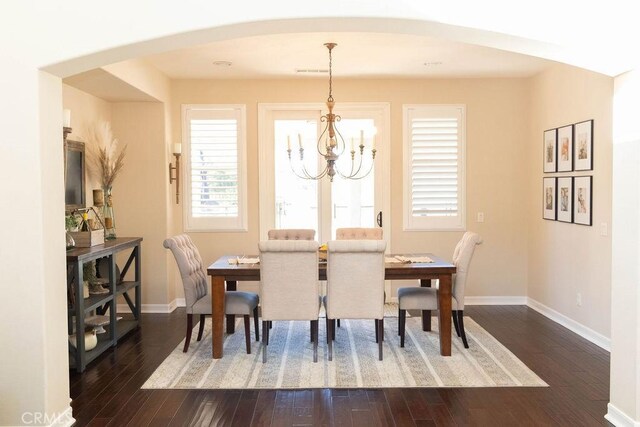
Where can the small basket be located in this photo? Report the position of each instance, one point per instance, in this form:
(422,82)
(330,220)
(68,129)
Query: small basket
(86,239)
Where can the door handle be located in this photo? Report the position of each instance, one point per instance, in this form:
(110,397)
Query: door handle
(379,219)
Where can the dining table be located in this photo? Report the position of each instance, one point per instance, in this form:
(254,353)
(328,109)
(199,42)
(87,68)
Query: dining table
(227,270)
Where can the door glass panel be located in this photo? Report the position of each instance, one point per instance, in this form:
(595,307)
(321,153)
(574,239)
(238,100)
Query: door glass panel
(352,201)
(296,199)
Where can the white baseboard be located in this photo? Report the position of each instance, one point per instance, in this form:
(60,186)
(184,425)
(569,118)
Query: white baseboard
(153,308)
(180,302)
(585,332)
(618,418)
(64,419)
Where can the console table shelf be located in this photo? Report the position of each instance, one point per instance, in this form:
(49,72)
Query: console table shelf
(79,307)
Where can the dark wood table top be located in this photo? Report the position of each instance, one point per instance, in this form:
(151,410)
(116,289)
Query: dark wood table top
(104,249)
(398,271)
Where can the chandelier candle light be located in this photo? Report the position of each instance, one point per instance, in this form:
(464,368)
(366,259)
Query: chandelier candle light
(331,144)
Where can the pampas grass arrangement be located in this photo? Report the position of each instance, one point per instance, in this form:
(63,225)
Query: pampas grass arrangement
(105,160)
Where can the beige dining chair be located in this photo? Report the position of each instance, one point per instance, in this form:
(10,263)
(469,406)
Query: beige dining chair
(358,233)
(355,285)
(197,298)
(417,298)
(291,234)
(289,286)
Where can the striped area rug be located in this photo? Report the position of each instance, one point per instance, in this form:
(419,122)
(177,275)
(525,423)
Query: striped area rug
(487,363)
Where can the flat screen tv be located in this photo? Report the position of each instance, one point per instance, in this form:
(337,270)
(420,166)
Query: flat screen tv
(74,194)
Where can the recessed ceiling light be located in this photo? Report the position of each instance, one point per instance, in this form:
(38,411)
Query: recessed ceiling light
(222,63)
(432,64)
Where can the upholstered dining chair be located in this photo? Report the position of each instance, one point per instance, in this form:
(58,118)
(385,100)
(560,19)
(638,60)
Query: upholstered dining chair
(289,286)
(358,233)
(197,298)
(355,285)
(416,298)
(292,234)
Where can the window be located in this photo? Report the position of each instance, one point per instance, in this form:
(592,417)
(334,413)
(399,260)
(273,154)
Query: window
(215,167)
(434,165)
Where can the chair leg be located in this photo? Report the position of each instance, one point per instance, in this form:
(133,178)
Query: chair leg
(330,338)
(380,333)
(454,314)
(333,329)
(461,324)
(256,323)
(426,320)
(231,323)
(189,328)
(338,322)
(247,332)
(314,334)
(402,318)
(377,329)
(270,324)
(265,340)
(201,329)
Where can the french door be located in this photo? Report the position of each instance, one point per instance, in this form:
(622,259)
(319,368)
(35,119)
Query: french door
(288,201)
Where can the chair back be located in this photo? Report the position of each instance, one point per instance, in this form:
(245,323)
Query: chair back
(192,271)
(292,234)
(289,285)
(359,234)
(355,279)
(462,259)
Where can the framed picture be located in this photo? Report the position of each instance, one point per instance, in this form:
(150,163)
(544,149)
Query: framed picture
(582,199)
(565,149)
(583,153)
(565,199)
(549,198)
(550,150)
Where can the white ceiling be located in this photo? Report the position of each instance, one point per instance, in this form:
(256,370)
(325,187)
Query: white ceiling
(372,55)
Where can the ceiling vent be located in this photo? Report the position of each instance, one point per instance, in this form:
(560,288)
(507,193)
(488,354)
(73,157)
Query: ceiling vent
(311,71)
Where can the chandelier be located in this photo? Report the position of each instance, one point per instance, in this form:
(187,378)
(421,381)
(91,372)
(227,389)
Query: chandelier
(331,145)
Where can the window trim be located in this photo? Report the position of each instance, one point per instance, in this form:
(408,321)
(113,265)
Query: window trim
(411,223)
(208,225)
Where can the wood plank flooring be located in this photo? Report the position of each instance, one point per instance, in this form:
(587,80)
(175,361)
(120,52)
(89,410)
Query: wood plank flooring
(108,393)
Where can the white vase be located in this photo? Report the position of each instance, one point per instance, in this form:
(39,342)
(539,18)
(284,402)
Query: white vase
(90,340)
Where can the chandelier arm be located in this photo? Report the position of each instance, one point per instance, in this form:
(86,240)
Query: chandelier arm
(322,119)
(356,178)
(295,172)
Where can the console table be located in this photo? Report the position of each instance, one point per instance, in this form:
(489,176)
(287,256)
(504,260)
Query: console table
(79,307)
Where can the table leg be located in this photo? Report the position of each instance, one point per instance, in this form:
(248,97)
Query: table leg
(217,314)
(426,314)
(444,300)
(231,319)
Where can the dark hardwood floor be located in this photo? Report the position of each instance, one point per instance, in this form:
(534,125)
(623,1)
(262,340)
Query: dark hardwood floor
(108,392)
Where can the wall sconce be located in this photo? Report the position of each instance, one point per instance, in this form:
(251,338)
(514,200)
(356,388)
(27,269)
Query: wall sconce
(177,152)
(66,123)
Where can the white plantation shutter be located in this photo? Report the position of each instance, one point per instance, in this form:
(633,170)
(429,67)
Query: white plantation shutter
(215,198)
(434,167)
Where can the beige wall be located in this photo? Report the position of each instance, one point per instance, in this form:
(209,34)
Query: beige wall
(86,112)
(497,120)
(567,259)
(139,193)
